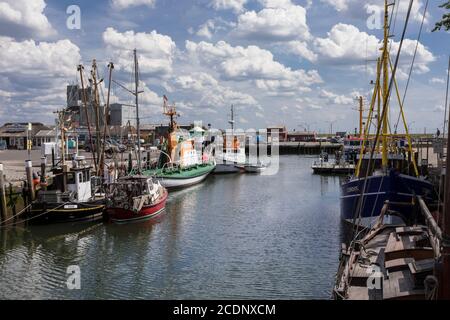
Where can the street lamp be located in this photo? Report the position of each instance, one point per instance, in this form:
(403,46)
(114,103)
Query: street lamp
(306,125)
(331,126)
(410,126)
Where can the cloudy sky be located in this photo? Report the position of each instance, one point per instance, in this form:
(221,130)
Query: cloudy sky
(286,62)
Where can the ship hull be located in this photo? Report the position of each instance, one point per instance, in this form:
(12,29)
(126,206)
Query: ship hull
(48,212)
(181,178)
(120,215)
(379,189)
(226,168)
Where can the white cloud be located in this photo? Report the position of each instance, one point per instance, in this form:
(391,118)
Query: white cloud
(401,10)
(437,81)
(339,5)
(300,48)
(123,4)
(30,58)
(212,94)
(155,51)
(346,44)
(206,30)
(338,99)
(278,20)
(24,18)
(240,63)
(234,5)
(196,81)
(33,76)
(252,64)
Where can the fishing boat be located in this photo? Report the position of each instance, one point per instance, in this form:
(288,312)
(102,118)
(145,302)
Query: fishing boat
(71,197)
(386,169)
(232,154)
(135,197)
(393,261)
(180,163)
(408,260)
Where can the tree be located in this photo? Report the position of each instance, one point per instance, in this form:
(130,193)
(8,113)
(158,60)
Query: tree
(445,22)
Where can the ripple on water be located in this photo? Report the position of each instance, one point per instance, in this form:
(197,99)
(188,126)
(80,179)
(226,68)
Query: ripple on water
(232,237)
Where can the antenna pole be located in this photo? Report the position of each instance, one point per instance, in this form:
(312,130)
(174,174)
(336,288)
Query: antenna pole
(361,114)
(138,127)
(385,87)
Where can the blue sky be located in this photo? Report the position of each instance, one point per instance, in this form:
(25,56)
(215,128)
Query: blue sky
(293,62)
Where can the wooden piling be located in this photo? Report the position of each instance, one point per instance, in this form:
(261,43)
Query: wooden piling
(3,211)
(29,172)
(130,163)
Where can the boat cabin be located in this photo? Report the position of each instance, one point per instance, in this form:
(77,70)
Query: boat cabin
(77,180)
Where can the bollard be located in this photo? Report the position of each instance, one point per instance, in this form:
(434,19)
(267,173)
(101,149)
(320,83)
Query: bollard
(29,172)
(53,157)
(3,210)
(43,173)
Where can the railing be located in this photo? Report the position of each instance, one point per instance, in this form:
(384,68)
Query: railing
(436,236)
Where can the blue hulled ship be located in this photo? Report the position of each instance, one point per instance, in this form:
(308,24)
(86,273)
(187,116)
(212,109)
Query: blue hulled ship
(387,164)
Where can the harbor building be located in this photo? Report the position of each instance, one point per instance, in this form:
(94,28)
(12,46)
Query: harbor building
(16,135)
(282,133)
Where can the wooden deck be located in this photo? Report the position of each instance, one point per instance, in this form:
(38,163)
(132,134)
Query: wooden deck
(404,259)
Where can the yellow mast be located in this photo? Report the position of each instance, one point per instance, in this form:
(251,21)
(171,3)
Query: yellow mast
(385,88)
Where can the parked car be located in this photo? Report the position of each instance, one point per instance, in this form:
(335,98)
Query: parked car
(3,145)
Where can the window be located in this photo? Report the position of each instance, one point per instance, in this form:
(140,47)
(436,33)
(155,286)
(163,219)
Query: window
(70,178)
(86,176)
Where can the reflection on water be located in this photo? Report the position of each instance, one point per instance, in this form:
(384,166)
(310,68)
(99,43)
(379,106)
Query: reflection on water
(236,237)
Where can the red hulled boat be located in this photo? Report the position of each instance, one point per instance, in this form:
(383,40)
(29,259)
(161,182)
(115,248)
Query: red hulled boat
(135,198)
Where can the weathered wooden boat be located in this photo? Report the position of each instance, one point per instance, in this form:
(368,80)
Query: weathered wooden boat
(135,198)
(392,261)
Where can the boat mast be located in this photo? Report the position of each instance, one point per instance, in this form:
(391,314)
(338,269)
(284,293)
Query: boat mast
(446,225)
(232,119)
(385,88)
(136,93)
(105,127)
(83,94)
(97,114)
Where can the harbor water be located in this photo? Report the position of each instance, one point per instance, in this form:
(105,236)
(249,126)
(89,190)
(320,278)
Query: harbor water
(231,237)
